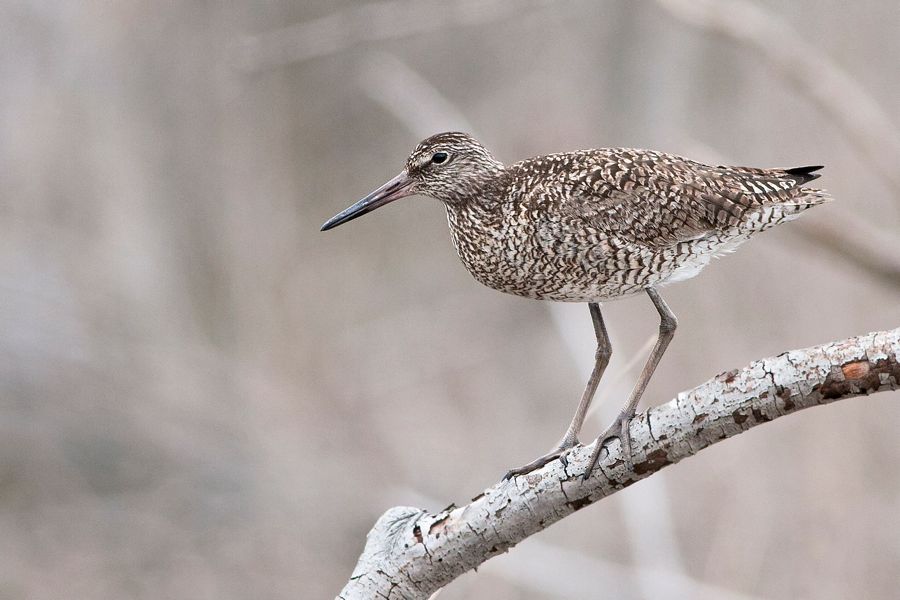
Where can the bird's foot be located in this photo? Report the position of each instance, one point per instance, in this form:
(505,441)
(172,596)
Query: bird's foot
(619,429)
(560,452)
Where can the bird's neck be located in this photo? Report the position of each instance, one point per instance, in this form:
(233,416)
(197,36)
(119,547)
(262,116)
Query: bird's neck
(481,191)
(477,220)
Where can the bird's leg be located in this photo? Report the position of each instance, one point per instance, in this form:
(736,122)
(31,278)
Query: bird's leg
(620,427)
(570,438)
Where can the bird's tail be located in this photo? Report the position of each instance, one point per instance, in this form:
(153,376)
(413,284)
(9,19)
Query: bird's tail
(807,199)
(804,175)
(769,215)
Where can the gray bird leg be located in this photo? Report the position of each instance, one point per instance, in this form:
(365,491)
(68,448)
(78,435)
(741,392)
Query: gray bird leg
(570,438)
(620,427)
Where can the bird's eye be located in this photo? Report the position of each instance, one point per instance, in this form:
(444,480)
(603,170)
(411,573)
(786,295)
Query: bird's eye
(439,157)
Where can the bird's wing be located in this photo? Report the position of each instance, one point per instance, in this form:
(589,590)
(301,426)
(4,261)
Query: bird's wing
(659,199)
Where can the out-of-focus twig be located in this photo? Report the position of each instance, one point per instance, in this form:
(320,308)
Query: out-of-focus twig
(874,250)
(409,97)
(805,66)
(410,552)
(368,23)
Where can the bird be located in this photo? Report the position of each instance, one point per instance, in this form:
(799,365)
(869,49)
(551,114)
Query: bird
(593,226)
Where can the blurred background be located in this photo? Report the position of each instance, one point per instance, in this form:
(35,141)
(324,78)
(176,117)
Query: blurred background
(202,396)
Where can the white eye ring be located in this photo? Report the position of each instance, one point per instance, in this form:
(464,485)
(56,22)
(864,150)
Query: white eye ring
(439,157)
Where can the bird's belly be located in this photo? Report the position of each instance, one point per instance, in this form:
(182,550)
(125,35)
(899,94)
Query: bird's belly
(589,276)
(601,273)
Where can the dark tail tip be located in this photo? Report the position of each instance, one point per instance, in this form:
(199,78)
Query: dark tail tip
(805,174)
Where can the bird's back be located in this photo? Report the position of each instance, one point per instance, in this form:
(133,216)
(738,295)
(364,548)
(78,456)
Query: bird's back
(653,198)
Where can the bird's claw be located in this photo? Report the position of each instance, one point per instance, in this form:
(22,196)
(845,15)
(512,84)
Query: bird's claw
(560,453)
(619,429)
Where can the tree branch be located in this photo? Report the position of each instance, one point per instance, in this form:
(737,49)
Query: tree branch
(410,553)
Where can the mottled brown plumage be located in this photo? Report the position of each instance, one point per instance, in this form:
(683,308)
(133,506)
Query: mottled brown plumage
(593,225)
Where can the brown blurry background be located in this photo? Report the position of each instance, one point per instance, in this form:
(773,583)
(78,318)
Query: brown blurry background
(202,396)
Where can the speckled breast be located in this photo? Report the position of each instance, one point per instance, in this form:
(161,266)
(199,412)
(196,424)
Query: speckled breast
(541,256)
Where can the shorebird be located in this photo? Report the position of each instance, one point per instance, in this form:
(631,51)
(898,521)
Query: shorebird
(592,226)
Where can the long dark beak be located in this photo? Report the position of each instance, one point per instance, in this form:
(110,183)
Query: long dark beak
(396,188)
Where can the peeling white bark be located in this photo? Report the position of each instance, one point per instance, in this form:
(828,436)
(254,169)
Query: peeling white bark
(410,552)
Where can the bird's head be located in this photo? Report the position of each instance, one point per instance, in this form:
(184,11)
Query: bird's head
(449,167)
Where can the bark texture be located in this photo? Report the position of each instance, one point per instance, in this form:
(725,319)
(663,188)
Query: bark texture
(411,553)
